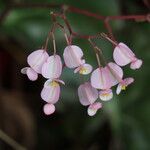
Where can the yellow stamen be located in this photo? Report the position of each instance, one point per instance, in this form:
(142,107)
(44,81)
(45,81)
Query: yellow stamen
(83,70)
(54,84)
(123,87)
(105,94)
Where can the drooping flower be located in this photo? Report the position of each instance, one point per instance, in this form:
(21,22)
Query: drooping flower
(123,84)
(73,59)
(123,55)
(35,60)
(93,108)
(87,94)
(104,78)
(52,68)
(87,97)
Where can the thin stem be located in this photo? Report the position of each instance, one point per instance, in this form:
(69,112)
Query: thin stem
(54,43)
(10,141)
(109,39)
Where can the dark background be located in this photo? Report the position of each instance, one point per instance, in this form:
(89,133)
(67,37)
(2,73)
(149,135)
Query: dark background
(122,124)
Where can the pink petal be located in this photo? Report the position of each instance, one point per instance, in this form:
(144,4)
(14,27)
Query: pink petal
(100,78)
(128,81)
(60,81)
(119,88)
(106,95)
(122,54)
(49,109)
(77,69)
(87,94)
(32,75)
(136,64)
(116,73)
(51,94)
(52,68)
(36,59)
(93,108)
(72,56)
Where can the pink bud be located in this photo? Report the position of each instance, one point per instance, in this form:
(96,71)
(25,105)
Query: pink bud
(87,94)
(49,109)
(52,68)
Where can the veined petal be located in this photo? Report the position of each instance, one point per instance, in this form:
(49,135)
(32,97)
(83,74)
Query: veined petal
(73,56)
(49,109)
(136,64)
(93,108)
(52,68)
(106,95)
(100,78)
(36,59)
(32,75)
(51,94)
(116,73)
(85,69)
(122,54)
(87,94)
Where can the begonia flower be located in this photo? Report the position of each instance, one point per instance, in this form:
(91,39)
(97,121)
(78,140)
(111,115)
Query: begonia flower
(123,55)
(35,60)
(123,84)
(73,59)
(104,78)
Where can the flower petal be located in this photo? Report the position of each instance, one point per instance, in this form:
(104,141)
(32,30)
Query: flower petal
(136,64)
(100,78)
(49,109)
(106,95)
(36,59)
(128,81)
(72,56)
(116,73)
(87,94)
(52,68)
(122,54)
(118,90)
(32,75)
(51,94)
(93,108)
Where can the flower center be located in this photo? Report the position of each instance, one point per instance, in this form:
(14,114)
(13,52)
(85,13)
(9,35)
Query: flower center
(123,87)
(54,84)
(83,70)
(105,94)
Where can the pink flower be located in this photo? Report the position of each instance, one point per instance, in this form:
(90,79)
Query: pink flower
(87,94)
(73,59)
(123,55)
(123,84)
(35,60)
(52,68)
(93,108)
(104,78)
(49,109)
(51,91)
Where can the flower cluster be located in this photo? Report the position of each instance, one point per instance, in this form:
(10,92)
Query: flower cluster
(101,82)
